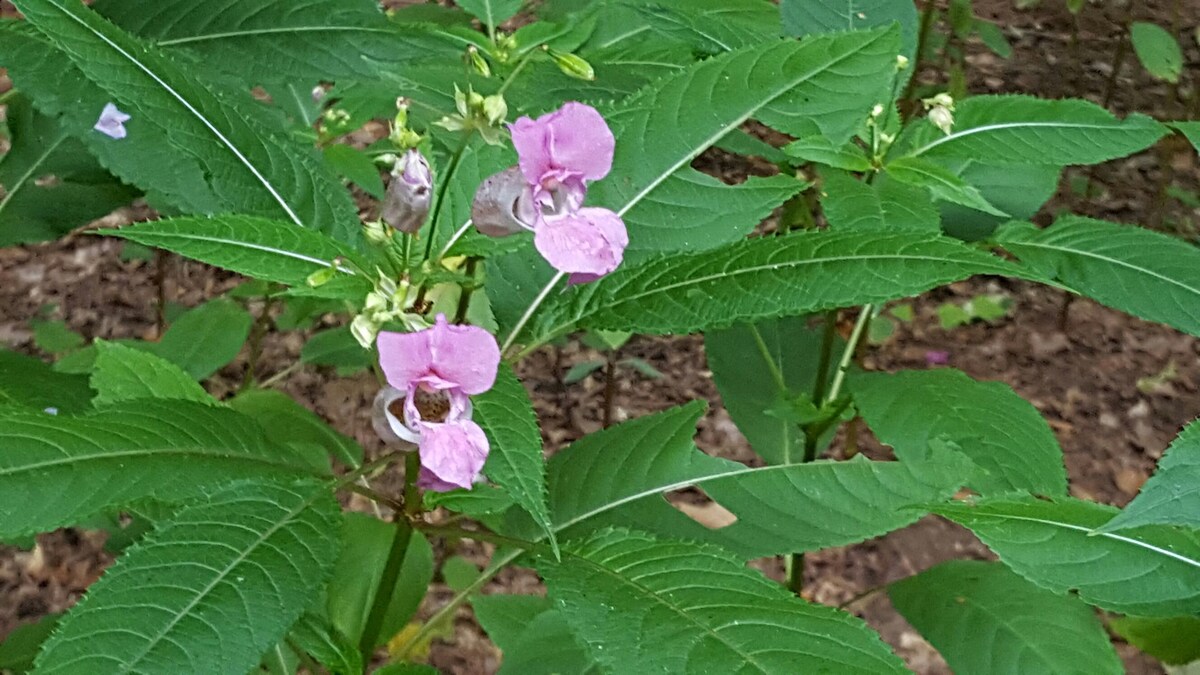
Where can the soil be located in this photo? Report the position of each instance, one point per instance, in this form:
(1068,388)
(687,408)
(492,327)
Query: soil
(1090,374)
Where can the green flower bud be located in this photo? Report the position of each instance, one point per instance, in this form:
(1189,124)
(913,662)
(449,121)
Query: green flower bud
(477,61)
(495,109)
(321,276)
(376,232)
(572,64)
(364,329)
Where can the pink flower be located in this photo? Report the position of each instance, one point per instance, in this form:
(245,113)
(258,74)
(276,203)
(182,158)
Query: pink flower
(431,373)
(562,150)
(409,193)
(112,122)
(937,357)
(558,153)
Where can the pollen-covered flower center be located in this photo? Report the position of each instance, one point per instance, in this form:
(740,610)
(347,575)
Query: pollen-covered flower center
(432,405)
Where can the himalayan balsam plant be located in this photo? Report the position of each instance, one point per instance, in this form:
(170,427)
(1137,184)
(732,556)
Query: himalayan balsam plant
(533,179)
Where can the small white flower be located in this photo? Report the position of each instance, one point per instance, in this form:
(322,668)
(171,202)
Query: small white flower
(942,118)
(112,122)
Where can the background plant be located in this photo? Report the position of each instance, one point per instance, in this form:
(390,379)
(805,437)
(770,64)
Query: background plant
(237,497)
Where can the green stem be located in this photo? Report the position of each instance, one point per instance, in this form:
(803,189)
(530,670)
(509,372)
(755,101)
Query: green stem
(385,588)
(7,95)
(827,336)
(257,334)
(517,69)
(464,300)
(844,365)
(776,374)
(443,185)
(412,495)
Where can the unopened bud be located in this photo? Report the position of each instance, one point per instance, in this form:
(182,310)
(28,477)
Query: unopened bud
(321,276)
(572,64)
(901,62)
(409,193)
(495,109)
(364,329)
(503,204)
(376,232)
(477,61)
(942,118)
(943,100)
(877,111)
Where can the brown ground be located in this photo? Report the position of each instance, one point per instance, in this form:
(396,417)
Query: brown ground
(1084,379)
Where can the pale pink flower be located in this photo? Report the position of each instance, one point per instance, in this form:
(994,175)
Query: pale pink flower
(112,122)
(937,357)
(431,373)
(409,193)
(562,150)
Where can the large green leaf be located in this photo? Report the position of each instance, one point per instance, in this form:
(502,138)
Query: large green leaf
(50,183)
(283,40)
(821,86)
(209,591)
(1148,571)
(515,462)
(198,148)
(711,26)
(1027,130)
(1147,274)
(646,605)
(888,205)
(1174,640)
(1004,435)
(56,470)
(1190,130)
(814,17)
(619,476)
(205,338)
(533,635)
(985,619)
(26,381)
(258,247)
(763,278)
(123,373)
(491,12)
(941,182)
(1172,495)
(748,361)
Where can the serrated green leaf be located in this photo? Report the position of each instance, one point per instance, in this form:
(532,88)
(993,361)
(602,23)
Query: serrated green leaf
(258,247)
(809,17)
(286,421)
(1146,274)
(515,462)
(744,360)
(711,26)
(50,183)
(357,167)
(21,646)
(647,605)
(28,382)
(581,370)
(54,337)
(1172,495)
(56,470)
(200,149)
(662,128)
(1002,433)
(1019,193)
(799,273)
(1191,131)
(283,40)
(1148,571)
(818,149)
(491,12)
(263,548)
(204,339)
(123,373)
(325,644)
(985,619)
(741,142)
(617,478)
(1157,49)
(1174,640)
(942,183)
(1027,130)
(993,36)
(355,583)
(889,205)
(532,634)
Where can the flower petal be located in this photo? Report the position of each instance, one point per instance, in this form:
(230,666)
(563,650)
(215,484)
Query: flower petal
(503,204)
(465,355)
(388,425)
(591,241)
(453,453)
(531,139)
(580,141)
(112,122)
(404,357)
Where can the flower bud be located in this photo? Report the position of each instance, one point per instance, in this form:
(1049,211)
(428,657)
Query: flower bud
(572,64)
(942,118)
(364,329)
(943,100)
(375,232)
(409,193)
(321,276)
(477,61)
(503,204)
(495,109)
(877,111)
(901,62)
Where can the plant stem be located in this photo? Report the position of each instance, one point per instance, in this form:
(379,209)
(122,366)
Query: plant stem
(513,75)
(927,16)
(257,333)
(541,297)
(443,185)
(610,386)
(386,587)
(412,495)
(160,282)
(772,367)
(828,333)
(848,354)
(281,375)
(363,488)
(458,234)
(464,300)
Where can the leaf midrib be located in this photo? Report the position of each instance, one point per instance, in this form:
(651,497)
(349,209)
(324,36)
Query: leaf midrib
(291,515)
(187,105)
(1118,126)
(219,453)
(1113,261)
(24,179)
(255,32)
(774,94)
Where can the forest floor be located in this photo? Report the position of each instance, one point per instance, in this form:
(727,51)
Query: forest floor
(1114,389)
